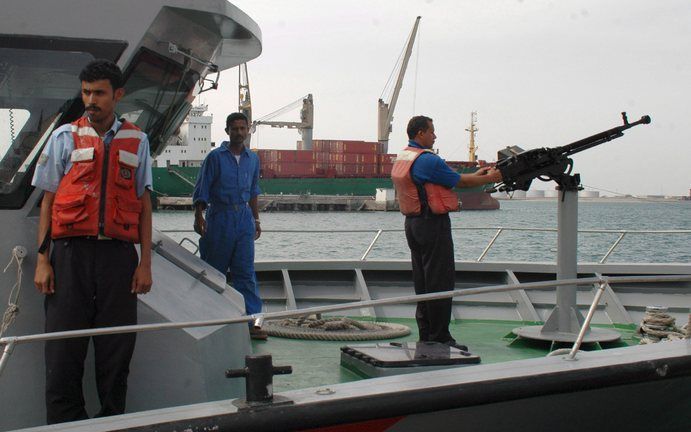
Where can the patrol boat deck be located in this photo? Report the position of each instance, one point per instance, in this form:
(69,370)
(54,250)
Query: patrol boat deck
(170,50)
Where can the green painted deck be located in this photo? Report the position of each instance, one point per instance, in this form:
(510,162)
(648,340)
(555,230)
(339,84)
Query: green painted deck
(317,363)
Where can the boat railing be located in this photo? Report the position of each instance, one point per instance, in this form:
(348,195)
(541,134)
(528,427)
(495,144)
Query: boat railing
(498,231)
(10,342)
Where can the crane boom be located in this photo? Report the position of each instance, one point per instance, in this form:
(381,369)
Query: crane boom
(386,109)
(304,126)
(244,99)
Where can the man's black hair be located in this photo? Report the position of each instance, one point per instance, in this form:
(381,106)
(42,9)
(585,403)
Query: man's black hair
(100,69)
(236,116)
(416,124)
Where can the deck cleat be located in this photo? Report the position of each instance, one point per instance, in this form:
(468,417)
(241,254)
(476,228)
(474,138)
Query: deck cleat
(258,373)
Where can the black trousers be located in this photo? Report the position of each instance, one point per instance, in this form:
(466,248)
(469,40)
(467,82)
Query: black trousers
(92,289)
(431,250)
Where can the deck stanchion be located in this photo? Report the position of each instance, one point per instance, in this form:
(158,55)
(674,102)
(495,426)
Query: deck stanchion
(6,352)
(588,318)
(611,249)
(371,245)
(491,242)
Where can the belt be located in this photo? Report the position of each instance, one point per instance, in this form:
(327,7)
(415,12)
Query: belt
(99,237)
(233,207)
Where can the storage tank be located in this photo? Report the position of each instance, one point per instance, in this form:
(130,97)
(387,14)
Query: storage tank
(552,193)
(589,194)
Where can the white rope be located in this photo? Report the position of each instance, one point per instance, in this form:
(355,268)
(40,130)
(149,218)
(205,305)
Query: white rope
(658,326)
(341,329)
(18,255)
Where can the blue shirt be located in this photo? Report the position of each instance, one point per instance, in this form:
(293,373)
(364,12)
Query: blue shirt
(55,160)
(430,168)
(223,180)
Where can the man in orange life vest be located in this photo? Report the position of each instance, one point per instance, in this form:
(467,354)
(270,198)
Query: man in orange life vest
(424,186)
(96,177)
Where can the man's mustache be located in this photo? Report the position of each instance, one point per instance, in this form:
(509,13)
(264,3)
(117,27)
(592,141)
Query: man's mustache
(92,108)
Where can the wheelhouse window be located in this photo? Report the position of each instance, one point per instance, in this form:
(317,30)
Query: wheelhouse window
(36,87)
(158,95)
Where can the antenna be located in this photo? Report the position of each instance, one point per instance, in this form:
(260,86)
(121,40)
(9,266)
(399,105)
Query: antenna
(472,129)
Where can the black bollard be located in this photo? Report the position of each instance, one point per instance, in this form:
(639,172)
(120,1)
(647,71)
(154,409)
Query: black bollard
(258,373)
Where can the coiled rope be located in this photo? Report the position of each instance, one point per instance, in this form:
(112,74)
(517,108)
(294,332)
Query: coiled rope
(335,329)
(18,255)
(657,325)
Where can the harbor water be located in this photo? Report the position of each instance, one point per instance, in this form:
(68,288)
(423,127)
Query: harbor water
(286,235)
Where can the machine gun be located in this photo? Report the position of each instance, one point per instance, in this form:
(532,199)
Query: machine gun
(518,168)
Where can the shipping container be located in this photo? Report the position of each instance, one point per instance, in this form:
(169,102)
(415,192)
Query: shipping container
(386,158)
(360,147)
(304,156)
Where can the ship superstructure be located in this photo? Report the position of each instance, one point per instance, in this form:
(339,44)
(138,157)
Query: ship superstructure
(189,147)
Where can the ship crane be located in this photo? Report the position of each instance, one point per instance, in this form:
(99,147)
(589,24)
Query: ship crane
(386,108)
(304,126)
(244,99)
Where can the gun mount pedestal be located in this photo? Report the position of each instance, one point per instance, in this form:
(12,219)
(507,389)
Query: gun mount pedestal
(565,320)
(518,169)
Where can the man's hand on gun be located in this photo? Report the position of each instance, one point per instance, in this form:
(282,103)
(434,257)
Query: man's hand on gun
(491,174)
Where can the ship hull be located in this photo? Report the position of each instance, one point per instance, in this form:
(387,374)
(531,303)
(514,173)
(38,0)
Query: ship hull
(179,182)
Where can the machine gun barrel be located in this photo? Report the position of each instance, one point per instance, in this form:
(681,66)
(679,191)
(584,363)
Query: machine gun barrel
(518,168)
(600,138)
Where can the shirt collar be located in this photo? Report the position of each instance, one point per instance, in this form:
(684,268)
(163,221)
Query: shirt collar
(115,127)
(225,146)
(412,143)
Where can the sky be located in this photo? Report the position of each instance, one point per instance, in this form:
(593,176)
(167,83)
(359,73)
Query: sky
(538,74)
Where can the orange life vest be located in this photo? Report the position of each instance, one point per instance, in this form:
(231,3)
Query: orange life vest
(440,199)
(79,208)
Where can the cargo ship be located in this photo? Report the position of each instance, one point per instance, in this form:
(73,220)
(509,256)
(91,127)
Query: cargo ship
(315,167)
(330,167)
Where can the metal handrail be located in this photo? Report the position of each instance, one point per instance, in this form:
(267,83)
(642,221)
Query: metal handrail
(10,342)
(499,231)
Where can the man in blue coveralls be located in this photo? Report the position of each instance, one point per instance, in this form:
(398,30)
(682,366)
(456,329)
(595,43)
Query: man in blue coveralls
(227,188)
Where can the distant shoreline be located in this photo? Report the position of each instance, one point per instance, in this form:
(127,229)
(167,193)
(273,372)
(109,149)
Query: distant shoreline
(602,199)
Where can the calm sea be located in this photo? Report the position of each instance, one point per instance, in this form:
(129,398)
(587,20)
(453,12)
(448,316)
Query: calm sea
(477,228)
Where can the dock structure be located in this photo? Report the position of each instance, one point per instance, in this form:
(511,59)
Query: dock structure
(268,203)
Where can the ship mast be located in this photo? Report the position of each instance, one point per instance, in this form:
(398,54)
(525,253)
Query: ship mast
(472,129)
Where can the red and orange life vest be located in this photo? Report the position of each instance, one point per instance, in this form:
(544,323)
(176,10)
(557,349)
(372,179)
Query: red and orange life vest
(440,199)
(80,208)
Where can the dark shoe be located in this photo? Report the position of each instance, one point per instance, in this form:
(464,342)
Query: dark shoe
(454,344)
(257,333)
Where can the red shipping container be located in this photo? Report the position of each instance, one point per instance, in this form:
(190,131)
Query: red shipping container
(387,158)
(351,158)
(371,170)
(359,147)
(369,158)
(304,156)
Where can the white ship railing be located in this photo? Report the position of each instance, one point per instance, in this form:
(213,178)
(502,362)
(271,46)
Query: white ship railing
(10,342)
(497,232)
